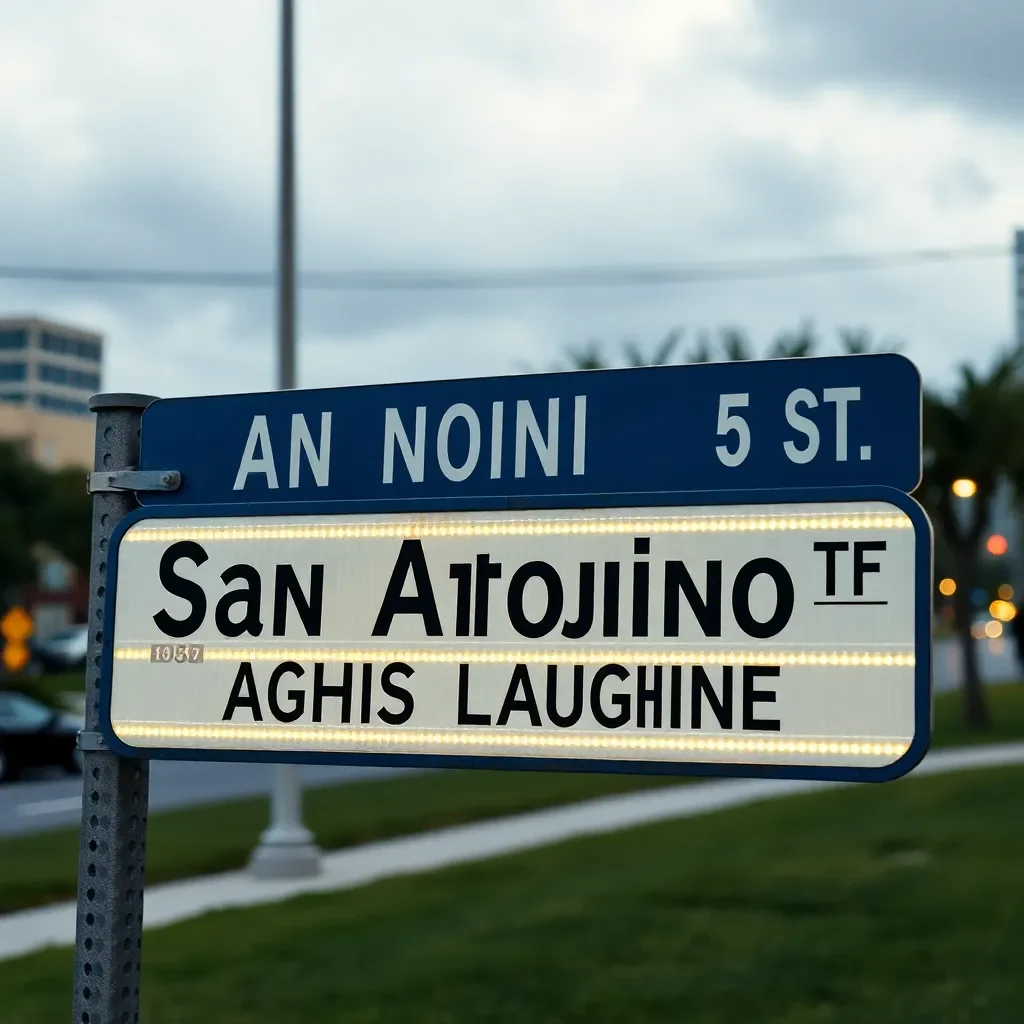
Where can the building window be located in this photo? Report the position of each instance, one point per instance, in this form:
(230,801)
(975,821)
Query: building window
(66,406)
(14,339)
(68,377)
(15,397)
(13,371)
(71,346)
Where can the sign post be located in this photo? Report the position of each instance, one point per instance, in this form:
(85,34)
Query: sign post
(115,798)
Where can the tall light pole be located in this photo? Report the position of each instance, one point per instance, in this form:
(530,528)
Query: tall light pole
(286,848)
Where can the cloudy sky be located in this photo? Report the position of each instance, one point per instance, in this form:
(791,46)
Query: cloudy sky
(468,135)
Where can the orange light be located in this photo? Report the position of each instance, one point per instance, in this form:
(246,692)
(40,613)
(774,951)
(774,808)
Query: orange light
(996,544)
(978,630)
(1005,591)
(964,488)
(993,629)
(1002,610)
(947,587)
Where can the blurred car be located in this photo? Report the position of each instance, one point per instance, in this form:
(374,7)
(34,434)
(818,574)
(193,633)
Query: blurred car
(63,651)
(33,735)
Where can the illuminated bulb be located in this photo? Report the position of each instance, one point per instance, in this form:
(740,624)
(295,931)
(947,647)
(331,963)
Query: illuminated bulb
(964,488)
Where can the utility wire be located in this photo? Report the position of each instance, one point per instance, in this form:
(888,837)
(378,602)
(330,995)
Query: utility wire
(595,276)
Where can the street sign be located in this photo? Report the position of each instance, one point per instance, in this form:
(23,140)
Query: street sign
(779,637)
(834,422)
(16,627)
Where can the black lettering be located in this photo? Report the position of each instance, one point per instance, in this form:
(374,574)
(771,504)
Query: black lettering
(410,559)
(860,567)
(364,699)
(830,547)
(707,611)
(320,691)
(528,702)
(752,696)
(467,717)
(297,697)
(675,719)
(463,572)
(783,597)
(547,573)
(392,689)
(611,599)
(286,584)
(486,570)
(620,700)
(250,596)
(569,720)
(585,616)
(701,685)
(648,695)
(641,592)
(251,700)
(187,590)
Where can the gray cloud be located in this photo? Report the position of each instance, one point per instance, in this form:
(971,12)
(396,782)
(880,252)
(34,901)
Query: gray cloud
(963,53)
(465,140)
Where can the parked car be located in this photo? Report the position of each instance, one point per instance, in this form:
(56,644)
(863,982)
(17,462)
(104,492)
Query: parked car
(63,651)
(34,735)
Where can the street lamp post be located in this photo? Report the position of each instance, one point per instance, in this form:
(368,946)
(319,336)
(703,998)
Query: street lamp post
(286,848)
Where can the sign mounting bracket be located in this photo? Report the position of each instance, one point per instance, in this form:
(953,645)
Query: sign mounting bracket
(123,480)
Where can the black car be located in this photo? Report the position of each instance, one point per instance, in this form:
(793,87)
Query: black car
(33,735)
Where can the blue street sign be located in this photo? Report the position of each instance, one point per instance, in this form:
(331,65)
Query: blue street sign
(844,421)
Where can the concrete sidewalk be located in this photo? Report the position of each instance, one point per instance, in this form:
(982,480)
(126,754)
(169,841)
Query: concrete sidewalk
(31,930)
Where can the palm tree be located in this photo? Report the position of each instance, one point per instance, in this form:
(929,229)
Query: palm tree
(973,434)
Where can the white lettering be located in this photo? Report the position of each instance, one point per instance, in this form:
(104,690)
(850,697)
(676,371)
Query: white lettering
(579,436)
(497,419)
(806,426)
(302,441)
(394,430)
(465,412)
(259,434)
(842,397)
(527,426)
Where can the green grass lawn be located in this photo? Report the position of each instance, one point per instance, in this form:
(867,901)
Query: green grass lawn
(43,868)
(900,903)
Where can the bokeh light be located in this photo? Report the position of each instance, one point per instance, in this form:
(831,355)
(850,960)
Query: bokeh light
(993,629)
(947,587)
(1005,591)
(964,488)
(996,544)
(1002,610)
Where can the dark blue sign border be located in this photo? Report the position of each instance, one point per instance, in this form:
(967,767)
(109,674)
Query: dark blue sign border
(922,635)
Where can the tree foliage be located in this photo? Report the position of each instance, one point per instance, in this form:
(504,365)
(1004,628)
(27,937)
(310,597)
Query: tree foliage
(38,506)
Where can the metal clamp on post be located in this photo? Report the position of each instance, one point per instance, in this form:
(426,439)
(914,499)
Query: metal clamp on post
(123,480)
(89,739)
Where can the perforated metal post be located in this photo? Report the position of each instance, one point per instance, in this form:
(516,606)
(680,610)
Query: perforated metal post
(115,802)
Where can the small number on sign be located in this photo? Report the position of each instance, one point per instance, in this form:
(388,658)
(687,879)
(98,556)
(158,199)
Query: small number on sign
(180,654)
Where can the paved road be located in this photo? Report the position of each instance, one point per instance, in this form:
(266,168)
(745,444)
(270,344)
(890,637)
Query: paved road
(34,806)
(45,803)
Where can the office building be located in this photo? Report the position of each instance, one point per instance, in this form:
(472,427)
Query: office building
(47,373)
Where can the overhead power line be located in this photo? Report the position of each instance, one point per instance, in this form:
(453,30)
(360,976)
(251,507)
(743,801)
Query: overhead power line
(528,278)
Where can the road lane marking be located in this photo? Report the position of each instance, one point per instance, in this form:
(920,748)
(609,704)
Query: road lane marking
(64,804)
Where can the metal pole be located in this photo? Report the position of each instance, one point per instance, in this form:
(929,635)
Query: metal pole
(286,848)
(286,206)
(115,798)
